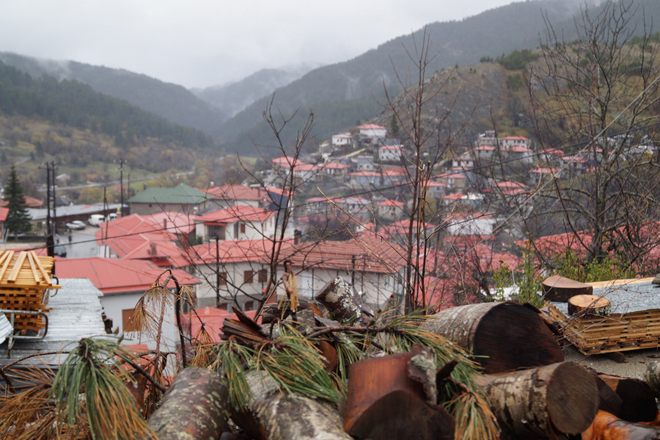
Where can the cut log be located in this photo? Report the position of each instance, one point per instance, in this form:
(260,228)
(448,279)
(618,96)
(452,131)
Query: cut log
(343,303)
(609,427)
(502,336)
(390,397)
(558,288)
(195,407)
(554,399)
(608,400)
(638,398)
(652,376)
(588,306)
(274,415)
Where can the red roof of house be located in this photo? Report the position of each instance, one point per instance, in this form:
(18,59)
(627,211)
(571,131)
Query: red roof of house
(376,255)
(450,176)
(316,199)
(575,159)
(544,170)
(365,174)
(232,251)
(457,196)
(335,166)
(280,191)
(236,213)
(305,167)
(234,192)
(116,276)
(509,184)
(285,161)
(514,138)
(518,149)
(370,127)
(391,147)
(552,152)
(390,203)
(30,202)
(395,172)
(485,148)
(3,214)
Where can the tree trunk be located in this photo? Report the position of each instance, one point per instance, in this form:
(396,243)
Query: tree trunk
(195,407)
(394,397)
(638,399)
(274,415)
(608,427)
(502,336)
(551,400)
(587,306)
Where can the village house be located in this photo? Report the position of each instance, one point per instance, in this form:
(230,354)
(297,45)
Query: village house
(509,141)
(465,160)
(335,170)
(484,153)
(365,179)
(390,153)
(371,132)
(541,175)
(181,198)
(234,273)
(236,223)
(373,266)
(519,153)
(574,165)
(339,140)
(122,283)
(452,181)
(394,176)
(390,210)
(232,195)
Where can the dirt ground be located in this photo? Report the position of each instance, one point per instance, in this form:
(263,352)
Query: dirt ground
(634,364)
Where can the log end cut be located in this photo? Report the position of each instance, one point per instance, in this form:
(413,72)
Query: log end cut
(588,305)
(572,398)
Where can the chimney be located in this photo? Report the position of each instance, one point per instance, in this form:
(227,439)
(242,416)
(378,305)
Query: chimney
(152,249)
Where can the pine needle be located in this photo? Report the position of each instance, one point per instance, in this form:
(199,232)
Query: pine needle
(474,419)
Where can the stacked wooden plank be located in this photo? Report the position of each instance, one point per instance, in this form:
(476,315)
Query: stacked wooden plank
(614,333)
(24,280)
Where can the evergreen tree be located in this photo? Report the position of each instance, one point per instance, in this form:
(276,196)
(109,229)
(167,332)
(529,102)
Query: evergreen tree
(18,219)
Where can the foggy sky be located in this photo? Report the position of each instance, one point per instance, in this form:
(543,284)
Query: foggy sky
(200,43)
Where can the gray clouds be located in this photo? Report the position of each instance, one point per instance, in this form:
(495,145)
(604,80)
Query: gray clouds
(201,43)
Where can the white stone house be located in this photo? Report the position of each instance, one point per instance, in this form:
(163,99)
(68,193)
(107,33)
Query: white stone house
(236,223)
(372,131)
(390,153)
(339,140)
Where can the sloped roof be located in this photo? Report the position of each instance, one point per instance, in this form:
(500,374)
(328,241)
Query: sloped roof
(30,202)
(234,251)
(390,203)
(376,255)
(234,192)
(116,276)
(212,319)
(370,127)
(3,214)
(236,213)
(181,194)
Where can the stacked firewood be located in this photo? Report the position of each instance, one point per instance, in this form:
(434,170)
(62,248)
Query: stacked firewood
(337,370)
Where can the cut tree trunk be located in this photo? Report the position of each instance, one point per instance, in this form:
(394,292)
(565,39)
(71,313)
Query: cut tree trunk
(554,399)
(638,399)
(274,415)
(608,427)
(343,303)
(652,376)
(502,336)
(195,407)
(394,397)
(588,306)
(558,288)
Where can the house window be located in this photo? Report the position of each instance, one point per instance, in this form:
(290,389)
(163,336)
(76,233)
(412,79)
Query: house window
(248,275)
(222,306)
(127,320)
(235,231)
(263,275)
(242,228)
(249,305)
(222,279)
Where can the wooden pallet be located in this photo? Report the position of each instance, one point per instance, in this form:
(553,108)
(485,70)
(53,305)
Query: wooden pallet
(613,333)
(25,279)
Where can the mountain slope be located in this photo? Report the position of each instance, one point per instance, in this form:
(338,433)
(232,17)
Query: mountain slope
(349,84)
(173,102)
(233,97)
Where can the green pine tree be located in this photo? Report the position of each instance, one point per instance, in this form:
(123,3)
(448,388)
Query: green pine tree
(18,219)
(394,126)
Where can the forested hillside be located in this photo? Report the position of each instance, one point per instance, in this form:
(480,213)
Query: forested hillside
(77,105)
(173,102)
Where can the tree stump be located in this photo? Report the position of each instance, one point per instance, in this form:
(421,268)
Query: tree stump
(390,397)
(502,336)
(589,306)
(558,288)
(554,399)
(274,415)
(638,399)
(194,407)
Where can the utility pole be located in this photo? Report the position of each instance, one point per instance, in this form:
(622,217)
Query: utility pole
(121,185)
(50,203)
(217,270)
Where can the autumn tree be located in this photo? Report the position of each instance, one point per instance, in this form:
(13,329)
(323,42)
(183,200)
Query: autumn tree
(596,99)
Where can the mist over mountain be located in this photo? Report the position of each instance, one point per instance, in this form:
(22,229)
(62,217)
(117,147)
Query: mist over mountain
(336,90)
(170,101)
(233,97)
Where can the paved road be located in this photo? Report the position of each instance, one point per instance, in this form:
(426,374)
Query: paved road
(82,245)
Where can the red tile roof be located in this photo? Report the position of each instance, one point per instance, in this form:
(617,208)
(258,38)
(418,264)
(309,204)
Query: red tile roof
(212,319)
(370,127)
(391,203)
(237,213)
(116,276)
(30,202)
(233,251)
(3,214)
(234,192)
(365,174)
